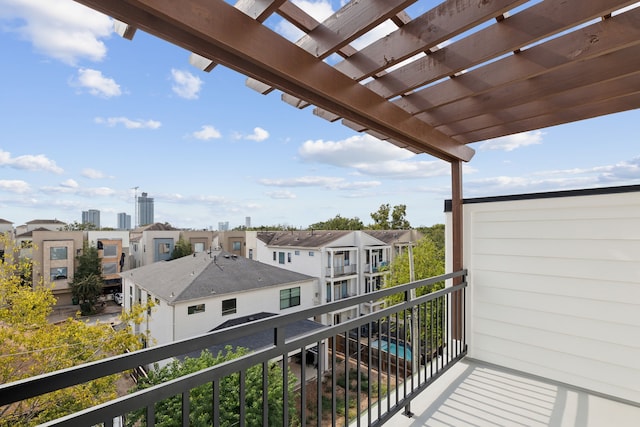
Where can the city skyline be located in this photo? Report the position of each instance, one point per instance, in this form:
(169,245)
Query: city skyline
(114,117)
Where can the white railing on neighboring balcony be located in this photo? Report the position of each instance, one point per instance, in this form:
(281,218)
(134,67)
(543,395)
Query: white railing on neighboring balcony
(380,362)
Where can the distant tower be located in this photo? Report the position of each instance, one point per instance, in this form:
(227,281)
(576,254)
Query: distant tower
(145,210)
(247,222)
(124,221)
(223,226)
(92,216)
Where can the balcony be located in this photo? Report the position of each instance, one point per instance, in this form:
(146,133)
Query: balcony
(375,354)
(341,270)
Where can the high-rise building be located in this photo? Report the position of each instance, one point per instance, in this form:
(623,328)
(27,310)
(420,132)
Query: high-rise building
(223,226)
(247,222)
(92,216)
(124,221)
(145,210)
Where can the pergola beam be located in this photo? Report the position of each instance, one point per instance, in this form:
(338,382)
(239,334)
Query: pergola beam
(214,29)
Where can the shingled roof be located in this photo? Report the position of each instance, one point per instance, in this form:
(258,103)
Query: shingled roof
(203,275)
(301,239)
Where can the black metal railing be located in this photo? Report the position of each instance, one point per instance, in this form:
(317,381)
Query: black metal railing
(360,372)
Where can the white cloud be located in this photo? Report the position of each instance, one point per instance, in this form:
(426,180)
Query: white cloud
(331,183)
(69,183)
(319,10)
(512,142)
(61,29)
(14,186)
(128,123)
(207,132)
(30,162)
(93,173)
(185,84)
(371,156)
(97,84)
(258,134)
(285,194)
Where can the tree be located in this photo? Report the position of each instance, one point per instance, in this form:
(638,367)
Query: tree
(387,219)
(87,282)
(435,233)
(338,223)
(77,226)
(169,411)
(32,346)
(181,249)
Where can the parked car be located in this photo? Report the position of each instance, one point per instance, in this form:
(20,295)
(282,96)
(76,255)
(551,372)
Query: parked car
(117,297)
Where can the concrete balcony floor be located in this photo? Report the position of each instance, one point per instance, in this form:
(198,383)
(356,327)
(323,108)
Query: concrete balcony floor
(472,393)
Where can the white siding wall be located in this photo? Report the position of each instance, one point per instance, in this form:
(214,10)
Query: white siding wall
(247,303)
(555,288)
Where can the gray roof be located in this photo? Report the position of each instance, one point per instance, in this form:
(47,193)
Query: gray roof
(203,274)
(390,236)
(45,221)
(4,221)
(301,239)
(259,340)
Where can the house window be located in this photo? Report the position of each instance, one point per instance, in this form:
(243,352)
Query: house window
(310,253)
(289,298)
(164,248)
(58,273)
(280,257)
(289,257)
(135,247)
(274,255)
(237,246)
(110,251)
(250,253)
(193,309)
(228,306)
(59,253)
(297,253)
(328,292)
(109,268)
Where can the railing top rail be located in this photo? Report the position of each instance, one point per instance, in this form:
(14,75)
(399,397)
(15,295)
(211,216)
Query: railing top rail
(41,384)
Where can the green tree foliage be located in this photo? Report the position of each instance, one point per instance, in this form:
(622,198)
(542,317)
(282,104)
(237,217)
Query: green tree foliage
(338,223)
(181,249)
(169,412)
(33,346)
(435,233)
(87,281)
(77,226)
(386,218)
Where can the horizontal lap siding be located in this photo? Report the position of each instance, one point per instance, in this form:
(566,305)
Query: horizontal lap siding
(555,285)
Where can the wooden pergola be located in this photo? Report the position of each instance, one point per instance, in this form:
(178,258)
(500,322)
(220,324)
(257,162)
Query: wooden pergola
(463,71)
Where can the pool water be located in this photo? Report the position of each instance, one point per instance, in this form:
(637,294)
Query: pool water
(396,350)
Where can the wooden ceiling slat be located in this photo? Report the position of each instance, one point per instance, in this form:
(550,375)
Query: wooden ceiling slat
(596,39)
(572,76)
(510,34)
(582,112)
(421,34)
(214,29)
(569,100)
(351,21)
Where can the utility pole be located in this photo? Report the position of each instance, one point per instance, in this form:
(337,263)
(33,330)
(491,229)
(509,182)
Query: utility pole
(135,207)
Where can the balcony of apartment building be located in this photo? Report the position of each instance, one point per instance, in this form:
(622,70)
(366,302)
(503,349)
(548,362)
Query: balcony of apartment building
(341,262)
(538,323)
(377,258)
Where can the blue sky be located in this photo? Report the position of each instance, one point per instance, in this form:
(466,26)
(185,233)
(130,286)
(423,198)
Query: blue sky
(86,116)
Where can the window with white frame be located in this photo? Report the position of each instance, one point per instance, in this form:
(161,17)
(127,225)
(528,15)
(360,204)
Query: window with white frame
(58,252)
(289,298)
(228,306)
(193,309)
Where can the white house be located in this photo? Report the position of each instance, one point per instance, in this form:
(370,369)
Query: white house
(200,292)
(346,263)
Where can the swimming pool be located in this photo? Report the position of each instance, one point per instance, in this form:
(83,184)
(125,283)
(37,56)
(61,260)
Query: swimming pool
(392,348)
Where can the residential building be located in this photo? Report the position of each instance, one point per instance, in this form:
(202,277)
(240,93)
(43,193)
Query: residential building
(92,216)
(6,228)
(195,294)
(200,241)
(346,263)
(54,259)
(124,221)
(152,243)
(145,210)
(113,250)
(47,224)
